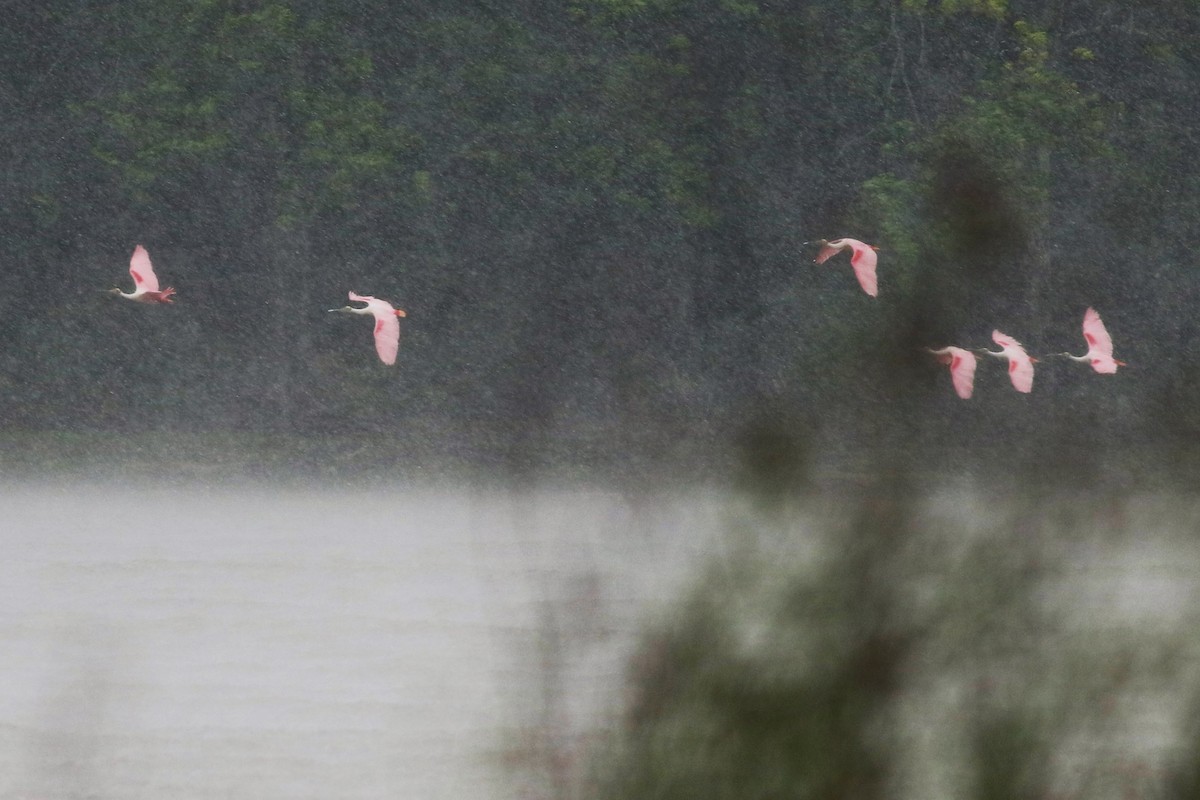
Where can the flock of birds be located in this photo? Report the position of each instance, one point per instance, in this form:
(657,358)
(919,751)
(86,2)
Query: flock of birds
(863,259)
(962,361)
(387,324)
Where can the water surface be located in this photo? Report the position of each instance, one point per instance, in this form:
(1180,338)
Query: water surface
(288,642)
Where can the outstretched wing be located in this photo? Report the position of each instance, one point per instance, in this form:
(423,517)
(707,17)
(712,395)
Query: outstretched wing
(1096,334)
(1020,365)
(387,331)
(387,327)
(141,270)
(1006,341)
(962,371)
(1020,370)
(863,261)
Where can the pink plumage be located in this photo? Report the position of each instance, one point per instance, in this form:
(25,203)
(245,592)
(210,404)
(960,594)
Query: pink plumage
(387,325)
(145,282)
(863,259)
(142,270)
(962,365)
(1020,365)
(1100,345)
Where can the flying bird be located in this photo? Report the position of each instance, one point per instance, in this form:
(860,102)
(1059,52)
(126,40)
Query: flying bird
(962,368)
(1020,363)
(863,259)
(387,326)
(1100,346)
(145,282)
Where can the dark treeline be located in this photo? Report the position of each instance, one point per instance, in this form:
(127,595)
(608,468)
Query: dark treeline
(594,213)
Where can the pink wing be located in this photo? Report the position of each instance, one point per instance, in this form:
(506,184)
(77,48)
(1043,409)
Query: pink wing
(1004,340)
(387,333)
(387,326)
(962,371)
(863,261)
(1020,370)
(1020,365)
(143,274)
(387,330)
(1097,336)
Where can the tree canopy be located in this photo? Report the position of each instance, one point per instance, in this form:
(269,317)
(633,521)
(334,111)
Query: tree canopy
(595,213)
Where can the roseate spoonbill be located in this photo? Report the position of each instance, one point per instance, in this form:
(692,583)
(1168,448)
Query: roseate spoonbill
(863,260)
(962,368)
(1020,363)
(387,327)
(145,282)
(1100,346)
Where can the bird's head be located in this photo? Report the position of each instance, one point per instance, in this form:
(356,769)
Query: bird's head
(343,310)
(111,291)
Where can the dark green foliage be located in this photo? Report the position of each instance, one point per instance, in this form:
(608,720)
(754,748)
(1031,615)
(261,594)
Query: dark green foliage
(594,212)
(1010,758)
(796,676)
(775,456)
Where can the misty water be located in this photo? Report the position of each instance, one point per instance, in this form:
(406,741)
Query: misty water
(287,641)
(306,642)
